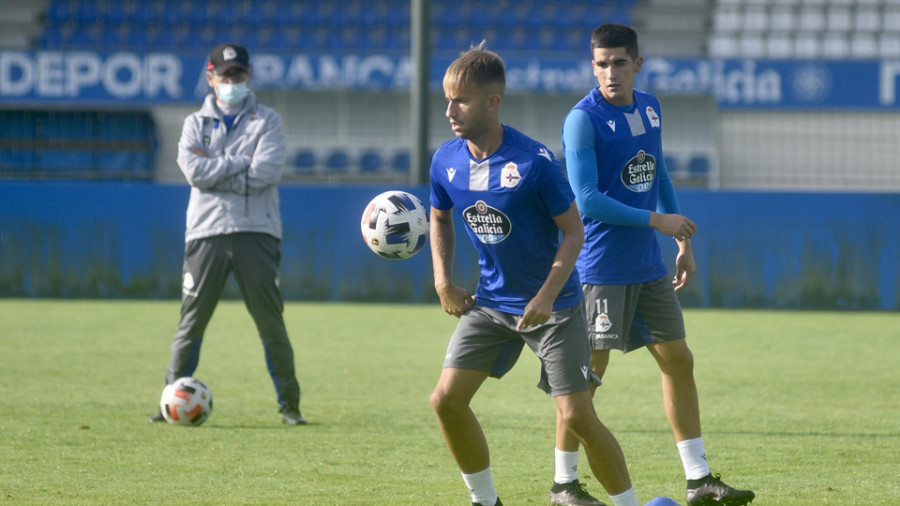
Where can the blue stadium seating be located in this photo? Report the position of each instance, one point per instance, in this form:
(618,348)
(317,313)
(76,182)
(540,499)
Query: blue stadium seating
(400,162)
(291,26)
(673,166)
(92,144)
(305,160)
(338,25)
(370,161)
(698,165)
(337,160)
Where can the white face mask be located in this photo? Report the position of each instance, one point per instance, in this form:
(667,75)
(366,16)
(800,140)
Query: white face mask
(232,94)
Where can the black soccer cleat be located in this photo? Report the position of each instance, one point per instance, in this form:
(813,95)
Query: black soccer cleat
(498,503)
(158,417)
(573,493)
(711,491)
(293,417)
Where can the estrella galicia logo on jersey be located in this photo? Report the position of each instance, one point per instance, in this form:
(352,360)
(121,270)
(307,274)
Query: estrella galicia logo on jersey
(489,224)
(653,117)
(639,172)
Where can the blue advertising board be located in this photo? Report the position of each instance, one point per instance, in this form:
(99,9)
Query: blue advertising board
(112,240)
(89,78)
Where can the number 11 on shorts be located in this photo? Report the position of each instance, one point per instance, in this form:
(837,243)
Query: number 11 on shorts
(601,322)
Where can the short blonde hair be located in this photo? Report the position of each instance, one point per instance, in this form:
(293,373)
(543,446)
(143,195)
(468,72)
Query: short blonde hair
(477,68)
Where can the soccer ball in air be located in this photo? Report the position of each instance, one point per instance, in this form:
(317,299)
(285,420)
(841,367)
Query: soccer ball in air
(186,401)
(395,225)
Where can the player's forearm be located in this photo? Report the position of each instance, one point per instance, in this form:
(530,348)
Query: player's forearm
(563,263)
(442,239)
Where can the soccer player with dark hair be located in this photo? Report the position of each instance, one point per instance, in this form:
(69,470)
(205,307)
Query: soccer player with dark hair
(515,201)
(612,140)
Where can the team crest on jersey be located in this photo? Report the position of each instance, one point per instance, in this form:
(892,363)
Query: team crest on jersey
(653,117)
(489,224)
(639,172)
(509,176)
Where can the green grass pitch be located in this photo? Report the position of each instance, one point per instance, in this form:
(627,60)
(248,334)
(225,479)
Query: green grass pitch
(802,407)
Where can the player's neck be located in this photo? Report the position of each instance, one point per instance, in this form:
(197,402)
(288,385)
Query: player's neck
(485,145)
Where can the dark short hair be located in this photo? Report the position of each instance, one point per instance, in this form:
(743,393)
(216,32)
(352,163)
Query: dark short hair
(476,67)
(616,35)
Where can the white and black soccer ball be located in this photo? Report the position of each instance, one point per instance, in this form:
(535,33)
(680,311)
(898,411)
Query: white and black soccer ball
(186,401)
(395,225)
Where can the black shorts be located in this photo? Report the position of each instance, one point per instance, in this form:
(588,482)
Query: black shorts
(628,317)
(487,340)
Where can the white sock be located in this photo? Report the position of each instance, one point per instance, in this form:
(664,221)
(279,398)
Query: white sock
(566,466)
(481,486)
(693,458)
(626,498)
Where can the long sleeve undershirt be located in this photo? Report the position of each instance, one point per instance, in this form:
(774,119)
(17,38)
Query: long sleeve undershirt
(581,163)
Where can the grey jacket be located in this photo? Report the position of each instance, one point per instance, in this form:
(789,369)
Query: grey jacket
(235,188)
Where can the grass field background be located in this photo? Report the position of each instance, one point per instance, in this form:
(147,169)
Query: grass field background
(802,407)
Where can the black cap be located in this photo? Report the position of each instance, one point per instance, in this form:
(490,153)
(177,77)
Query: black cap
(227,56)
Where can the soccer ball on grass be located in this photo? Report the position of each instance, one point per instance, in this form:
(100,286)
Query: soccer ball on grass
(186,401)
(395,225)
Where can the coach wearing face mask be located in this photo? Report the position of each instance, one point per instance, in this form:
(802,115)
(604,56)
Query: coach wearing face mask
(232,152)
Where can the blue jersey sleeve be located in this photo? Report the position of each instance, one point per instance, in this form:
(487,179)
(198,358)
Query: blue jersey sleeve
(581,165)
(439,199)
(668,202)
(554,188)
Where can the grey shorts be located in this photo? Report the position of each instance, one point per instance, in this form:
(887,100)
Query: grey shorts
(628,317)
(487,340)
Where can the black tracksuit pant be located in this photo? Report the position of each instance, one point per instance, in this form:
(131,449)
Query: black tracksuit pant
(254,259)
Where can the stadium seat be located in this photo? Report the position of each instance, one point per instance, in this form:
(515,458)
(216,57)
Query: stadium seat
(59,12)
(698,165)
(673,167)
(838,19)
(337,161)
(751,45)
(401,161)
(755,18)
(863,45)
(111,37)
(398,15)
(726,19)
(782,18)
(305,160)
(779,45)
(723,46)
(396,39)
(14,126)
(112,14)
(50,39)
(889,45)
(86,13)
(621,15)
(891,19)
(199,15)
(867,19)
(807,45)
(835,45)
(811,19)
(370,161)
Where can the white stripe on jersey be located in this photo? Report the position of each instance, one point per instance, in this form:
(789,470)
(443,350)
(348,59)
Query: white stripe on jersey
(479,175)
(635,123)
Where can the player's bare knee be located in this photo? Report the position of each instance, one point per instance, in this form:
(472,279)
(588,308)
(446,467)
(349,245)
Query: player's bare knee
(445,403)
(681,364)
(578,422)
